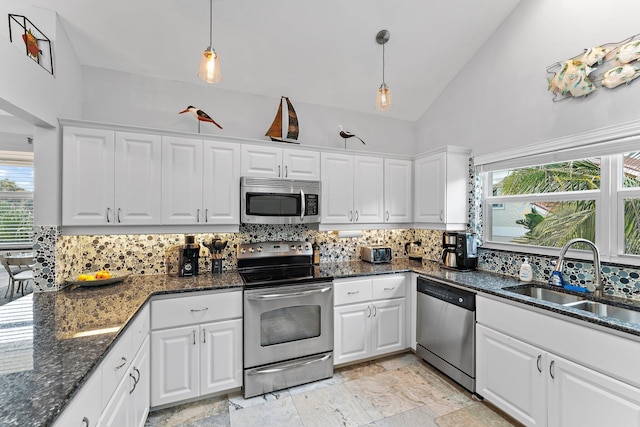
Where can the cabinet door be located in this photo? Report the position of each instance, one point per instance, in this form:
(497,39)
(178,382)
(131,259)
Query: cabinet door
(118,412)
(337,188)
(368,189)
(181,181)
(352,336)
(579,396)
(140,397)
(87,177)
(220,356)
(261,162)
(512,375)
(221,183)
(85,408)
(398,191)
(301,164)
(138,185)
(174,368)
(388,326)
(429,191)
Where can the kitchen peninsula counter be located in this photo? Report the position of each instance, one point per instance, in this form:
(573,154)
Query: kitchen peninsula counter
(49,350)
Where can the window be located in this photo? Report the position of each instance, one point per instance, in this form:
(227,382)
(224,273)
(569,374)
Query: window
(16,199)
(539,207)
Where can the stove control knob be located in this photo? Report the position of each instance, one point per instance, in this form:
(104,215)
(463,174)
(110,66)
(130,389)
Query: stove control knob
(306,247)
(251,250)
(243,250)
(293,247)
(299,247)
(259,248)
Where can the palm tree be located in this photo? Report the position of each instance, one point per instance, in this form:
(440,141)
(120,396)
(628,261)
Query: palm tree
(570,219)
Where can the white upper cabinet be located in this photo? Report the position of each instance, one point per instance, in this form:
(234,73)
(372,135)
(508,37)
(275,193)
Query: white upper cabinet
(398,191)
(274,162)
(441,189)
(352,189)
(200,181)
(110,178)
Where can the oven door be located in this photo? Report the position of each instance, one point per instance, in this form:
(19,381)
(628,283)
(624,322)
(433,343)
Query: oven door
(287,322)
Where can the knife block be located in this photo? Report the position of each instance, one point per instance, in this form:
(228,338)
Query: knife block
(216,263)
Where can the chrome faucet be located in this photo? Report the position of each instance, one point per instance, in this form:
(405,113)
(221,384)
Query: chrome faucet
(597,281)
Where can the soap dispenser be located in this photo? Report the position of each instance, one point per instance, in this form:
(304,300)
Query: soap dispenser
(526,273)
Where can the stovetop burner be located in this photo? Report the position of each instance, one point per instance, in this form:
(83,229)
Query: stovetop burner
(277,263)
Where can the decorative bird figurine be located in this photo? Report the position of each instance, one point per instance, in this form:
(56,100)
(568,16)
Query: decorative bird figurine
(200,115)
(346,134)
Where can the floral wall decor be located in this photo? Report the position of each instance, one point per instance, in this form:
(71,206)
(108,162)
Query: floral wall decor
(609,65)
(36,45)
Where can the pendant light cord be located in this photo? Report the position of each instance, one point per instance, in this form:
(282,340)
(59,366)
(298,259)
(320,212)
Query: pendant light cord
(211,25)
(383,64)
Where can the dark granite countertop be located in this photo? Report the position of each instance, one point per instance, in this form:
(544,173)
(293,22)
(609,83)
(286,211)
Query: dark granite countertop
(43,362)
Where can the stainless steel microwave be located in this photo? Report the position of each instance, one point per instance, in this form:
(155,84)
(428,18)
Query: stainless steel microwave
(279,201)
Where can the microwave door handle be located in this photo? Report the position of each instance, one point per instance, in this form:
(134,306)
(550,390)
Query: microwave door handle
(303,207)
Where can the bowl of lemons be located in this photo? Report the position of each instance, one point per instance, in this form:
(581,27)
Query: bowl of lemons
(99,278)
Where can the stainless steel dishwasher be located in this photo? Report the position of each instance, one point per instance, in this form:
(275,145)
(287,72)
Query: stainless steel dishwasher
(446,330)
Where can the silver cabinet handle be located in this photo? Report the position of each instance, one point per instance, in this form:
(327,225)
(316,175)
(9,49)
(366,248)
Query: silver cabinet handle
(204,336)
(286,171)
(135,383)
(357,216)
(375,311)
(124,362)
(538,363)
(350,215)
(390,289)
(85,421)
(387,215)
(287,294)
(293,365)
(137,372)
(194,337)
(279,171)
(303,205)
(198,215)
(194,310)
(118,215)
(353,292)
(206,215)
(368,311)
(551,369)
(108,211)
(441,215)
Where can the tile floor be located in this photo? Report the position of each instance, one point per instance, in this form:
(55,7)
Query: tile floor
(398,391)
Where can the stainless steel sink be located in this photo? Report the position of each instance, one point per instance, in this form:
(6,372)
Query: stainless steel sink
(545,294)
(607,310)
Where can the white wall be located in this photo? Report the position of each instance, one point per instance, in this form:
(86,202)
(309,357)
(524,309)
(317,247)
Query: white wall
(117,97)
(500,100)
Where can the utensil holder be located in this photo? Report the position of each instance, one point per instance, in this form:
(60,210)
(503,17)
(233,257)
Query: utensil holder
(216,263)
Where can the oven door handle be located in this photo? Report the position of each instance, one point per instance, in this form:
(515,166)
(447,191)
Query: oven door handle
(288,294)
(292,365)
(303,205)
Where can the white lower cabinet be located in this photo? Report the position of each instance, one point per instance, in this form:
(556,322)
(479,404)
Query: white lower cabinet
(538,387)
(84,410)
(369,317)
(199,358)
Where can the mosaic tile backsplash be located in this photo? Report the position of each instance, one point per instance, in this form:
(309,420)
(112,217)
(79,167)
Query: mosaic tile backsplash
(156,254)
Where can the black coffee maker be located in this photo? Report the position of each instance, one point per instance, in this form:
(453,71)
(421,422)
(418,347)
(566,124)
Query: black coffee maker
(188,257)
(466,251)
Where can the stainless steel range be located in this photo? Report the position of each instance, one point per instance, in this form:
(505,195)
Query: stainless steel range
(288,317)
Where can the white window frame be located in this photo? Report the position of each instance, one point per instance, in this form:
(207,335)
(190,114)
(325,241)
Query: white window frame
(609,145)
(23,159)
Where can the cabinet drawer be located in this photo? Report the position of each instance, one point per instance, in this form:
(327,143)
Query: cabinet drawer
(351,291)
(388,287)
(198,308)
(139,329)
(116,364)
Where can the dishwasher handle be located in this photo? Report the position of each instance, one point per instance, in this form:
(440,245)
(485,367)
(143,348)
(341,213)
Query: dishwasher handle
(450,294)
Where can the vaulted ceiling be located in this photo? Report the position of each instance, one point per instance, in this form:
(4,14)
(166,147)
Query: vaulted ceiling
(320,52)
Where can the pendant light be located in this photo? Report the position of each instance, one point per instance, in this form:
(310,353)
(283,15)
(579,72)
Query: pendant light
(383,100)
(210,63)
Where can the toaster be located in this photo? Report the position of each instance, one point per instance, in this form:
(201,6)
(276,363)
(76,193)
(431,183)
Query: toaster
(376,254)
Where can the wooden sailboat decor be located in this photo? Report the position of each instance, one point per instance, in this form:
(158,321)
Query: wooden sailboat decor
(275,132)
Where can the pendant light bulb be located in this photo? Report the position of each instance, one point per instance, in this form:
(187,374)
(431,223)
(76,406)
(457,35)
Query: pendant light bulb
(209,70)
(210,66)
(383,101)
(383,98)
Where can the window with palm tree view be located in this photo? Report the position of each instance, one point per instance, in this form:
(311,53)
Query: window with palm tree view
(548,205)
(16,202)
